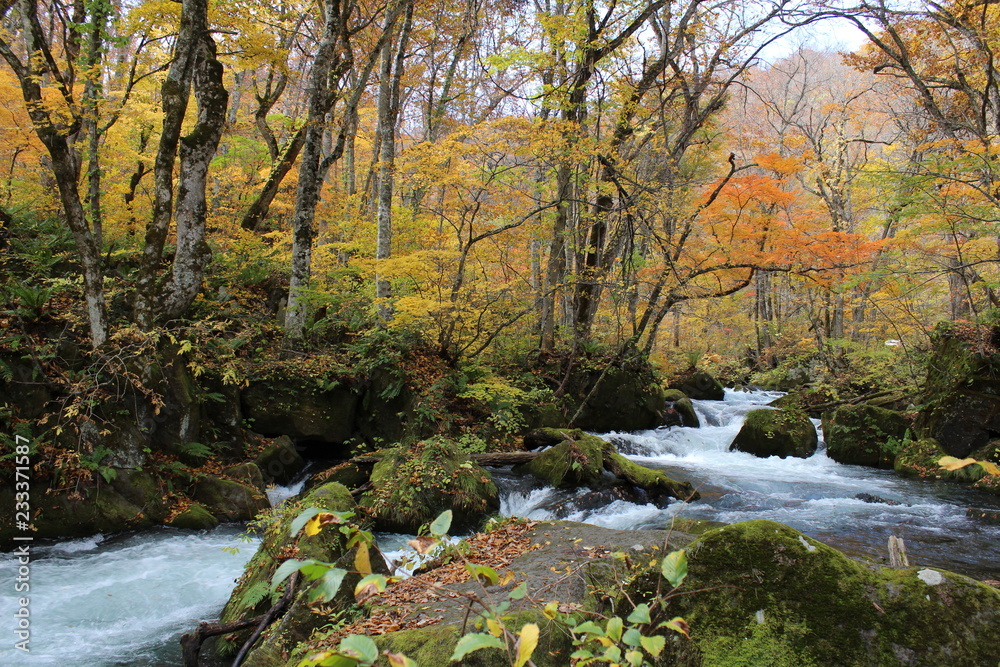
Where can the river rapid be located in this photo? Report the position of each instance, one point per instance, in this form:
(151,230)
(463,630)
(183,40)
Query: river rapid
(125,600)
(815,495)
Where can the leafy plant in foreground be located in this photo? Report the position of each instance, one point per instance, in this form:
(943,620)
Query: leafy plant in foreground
(614,641)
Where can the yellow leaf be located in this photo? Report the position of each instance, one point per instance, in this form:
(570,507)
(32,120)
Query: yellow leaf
(362,563)
(551,609)
(313,525)
(951,463)
(494,627)
(526,644)
(990,468)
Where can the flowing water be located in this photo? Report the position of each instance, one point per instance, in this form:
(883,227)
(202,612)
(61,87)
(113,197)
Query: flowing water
(815,495)
(125,600)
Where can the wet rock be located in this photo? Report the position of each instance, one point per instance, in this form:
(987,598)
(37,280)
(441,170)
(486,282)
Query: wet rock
(280,461)
(678,410)
(229,500)
(195,517)
(767,594)
(961,395)
(699,386)
(864,435)
(412,485)
(984,516)
(871,498)
(580,459)
(781,433)
(246,473)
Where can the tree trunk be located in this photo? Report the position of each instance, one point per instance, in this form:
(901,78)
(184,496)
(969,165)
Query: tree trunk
(388,112)
(328,67)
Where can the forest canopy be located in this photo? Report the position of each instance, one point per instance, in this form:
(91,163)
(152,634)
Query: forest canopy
(494,175)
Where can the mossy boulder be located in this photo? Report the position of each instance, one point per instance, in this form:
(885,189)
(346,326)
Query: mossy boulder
(412,485)
(229,500)
(132,501)
(781,433)
(195,517)
(810,400)
(580,459)
(698,385)
(292,407)
(577,459)
(251,596)
(246,473)
(919,458)
(961,395)
(280,461)
(761,593)
(627,399)
(679,410)
(864,435)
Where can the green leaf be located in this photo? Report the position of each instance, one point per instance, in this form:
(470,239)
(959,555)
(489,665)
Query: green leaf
(473,642)
(677,624)
(441,524)
(314,569)
(520,591)
(360,647)
(284,571)
(615,627)
(675,567)
(634,658)
(654,645)
(632,637)
(484,573)
(370,586)
(328,585)
(590,628)
(640,614)
(302,519)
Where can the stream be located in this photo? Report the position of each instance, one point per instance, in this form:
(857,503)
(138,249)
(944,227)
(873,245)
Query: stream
(815,495)
(125,600)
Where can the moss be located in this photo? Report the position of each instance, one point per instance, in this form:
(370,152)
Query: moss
(576,461)
(229,500)
(325,546)
(678,401)
(280,461)
(411,486)
(434,644)
(864,435)
(195,518)
(761,593)
(776,433)
(655,482)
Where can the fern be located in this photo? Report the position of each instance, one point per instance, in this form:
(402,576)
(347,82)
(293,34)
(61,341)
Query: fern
(254,595)
(196,449)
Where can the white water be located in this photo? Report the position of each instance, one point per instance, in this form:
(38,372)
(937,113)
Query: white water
(814,495)
(121,601)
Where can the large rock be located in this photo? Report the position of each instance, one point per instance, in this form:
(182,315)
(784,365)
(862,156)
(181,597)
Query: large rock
(961,396)
(919,458)
(132,501)
(579,459)
(698,385)
(864,435)
(280,461)
(251,596)
(781,433)
(228,500)
(761,593)
(413,485)
(299,411)
(679,410)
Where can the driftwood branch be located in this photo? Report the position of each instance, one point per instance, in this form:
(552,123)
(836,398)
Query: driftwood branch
(191,642)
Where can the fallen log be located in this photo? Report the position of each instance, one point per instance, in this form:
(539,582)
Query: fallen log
(485,459)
